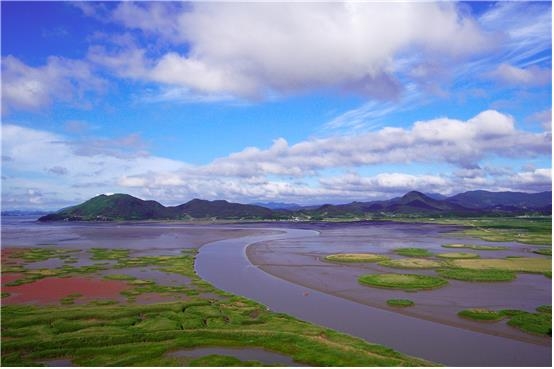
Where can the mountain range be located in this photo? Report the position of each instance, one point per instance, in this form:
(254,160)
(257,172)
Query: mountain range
(472,203)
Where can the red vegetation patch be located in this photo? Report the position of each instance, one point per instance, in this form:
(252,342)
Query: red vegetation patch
(51,290)
(10,277)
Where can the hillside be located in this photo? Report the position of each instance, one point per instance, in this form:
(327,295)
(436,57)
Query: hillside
(109,207)
(474,203)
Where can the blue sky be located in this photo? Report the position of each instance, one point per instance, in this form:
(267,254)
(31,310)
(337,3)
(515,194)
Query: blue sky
(305,103)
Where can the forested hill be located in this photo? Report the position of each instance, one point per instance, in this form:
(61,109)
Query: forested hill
(473,203)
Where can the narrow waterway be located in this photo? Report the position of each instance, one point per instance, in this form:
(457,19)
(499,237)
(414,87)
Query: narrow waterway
(225,264)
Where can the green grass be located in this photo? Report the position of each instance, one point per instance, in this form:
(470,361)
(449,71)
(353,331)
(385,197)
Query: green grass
(458,255)
(539,323)
(407,282)
(40,253)
(107,333)
(476,275)
(413,252)
(400,302)
(108,254)
(474,247)
(481,314)
(528,230)
(411,263)
(547,252)
(119,277)
(526,265)
(355,258)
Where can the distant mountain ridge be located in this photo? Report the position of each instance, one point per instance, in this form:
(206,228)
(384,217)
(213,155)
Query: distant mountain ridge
(413,203)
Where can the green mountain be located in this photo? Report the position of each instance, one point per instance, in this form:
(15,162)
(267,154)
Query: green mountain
(221,209)
(475,203)
(110,207)
(127,207)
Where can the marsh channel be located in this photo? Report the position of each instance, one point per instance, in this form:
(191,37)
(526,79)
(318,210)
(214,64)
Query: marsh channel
(281,266)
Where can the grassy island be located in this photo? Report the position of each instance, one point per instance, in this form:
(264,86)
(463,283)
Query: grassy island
(407,282)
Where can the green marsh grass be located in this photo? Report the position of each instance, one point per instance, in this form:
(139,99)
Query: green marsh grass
(539,323)
(525,265)
(107,333)
(458,255)
(474,247)
(355,258)
(400,302)
(411,263)
(476,275)
(413,252)
(407,282)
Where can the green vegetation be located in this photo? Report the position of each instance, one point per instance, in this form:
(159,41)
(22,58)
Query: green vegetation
(413,252)
(355,258)
(526,265)
(119,277)
(40,253)
(407,282)
(536,323)
(474,247)
(458,255)
(400,302)
(70,299)
(107,333)
(476,275)
(108,254)
(533,323)
(547,252)
(411,263)
(536,231)
(481,314)
(222,360)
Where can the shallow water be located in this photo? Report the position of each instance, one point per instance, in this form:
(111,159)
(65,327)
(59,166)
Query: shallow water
(225,264)
(243,354)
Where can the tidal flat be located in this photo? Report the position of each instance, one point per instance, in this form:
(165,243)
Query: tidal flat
(152,269)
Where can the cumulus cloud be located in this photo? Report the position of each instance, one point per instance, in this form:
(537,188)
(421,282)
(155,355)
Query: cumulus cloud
(252,50)
(463,143)
(387,183)
(31,88)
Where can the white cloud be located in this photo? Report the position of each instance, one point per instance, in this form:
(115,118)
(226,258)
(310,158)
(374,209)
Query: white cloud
(32,88)
(531,76)
(252,50)
(463,143)
(67,168)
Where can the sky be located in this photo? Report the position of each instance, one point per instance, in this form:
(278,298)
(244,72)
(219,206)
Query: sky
(307,103)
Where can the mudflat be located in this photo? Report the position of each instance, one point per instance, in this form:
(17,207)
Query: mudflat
(302,261)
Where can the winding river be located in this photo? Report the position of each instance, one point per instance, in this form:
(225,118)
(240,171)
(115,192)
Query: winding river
(225,264)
